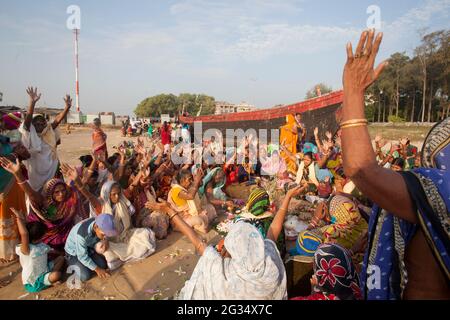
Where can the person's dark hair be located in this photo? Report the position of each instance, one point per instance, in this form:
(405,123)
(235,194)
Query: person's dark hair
(309,154)
(182,174)
(311,139)
(86,160)
(38,118)
(36,230)
(399,162)
(111,160)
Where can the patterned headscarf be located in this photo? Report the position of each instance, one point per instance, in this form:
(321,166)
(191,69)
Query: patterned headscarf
(436,147)
(258,202)
(307,244)
(12,120)
(335,273)
(54,211)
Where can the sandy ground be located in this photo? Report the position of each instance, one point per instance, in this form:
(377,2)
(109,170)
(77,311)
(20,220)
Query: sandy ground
(151,278)
(159,276)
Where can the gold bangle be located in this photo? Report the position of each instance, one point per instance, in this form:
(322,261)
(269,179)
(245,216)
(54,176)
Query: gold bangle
(171,217)
(353,121)
(22,182)
(353,125)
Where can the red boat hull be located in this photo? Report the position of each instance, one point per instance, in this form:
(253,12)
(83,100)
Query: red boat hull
(319,112)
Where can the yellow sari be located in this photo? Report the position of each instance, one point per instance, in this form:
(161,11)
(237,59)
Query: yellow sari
(288,138)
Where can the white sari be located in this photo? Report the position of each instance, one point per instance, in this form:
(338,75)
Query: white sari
(255,270)
(131,243)
(43,162)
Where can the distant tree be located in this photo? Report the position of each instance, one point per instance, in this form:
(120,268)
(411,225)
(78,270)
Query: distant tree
(416,88)
(173,105)
(157,105)
(324,89)
(193,102)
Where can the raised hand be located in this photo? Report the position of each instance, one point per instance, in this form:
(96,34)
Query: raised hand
(404,141)
(359,72)
(316,131)
(69,172)
(162,206)
(140,149)
(198,176)
(34,96)
(296,191)
(68,101)
(18,213)
(10,166)
(329,135)
(377,138)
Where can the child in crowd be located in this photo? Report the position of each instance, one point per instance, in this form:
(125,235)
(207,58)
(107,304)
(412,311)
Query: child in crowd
(37,272)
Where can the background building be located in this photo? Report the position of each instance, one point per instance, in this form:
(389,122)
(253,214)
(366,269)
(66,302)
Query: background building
(223,107)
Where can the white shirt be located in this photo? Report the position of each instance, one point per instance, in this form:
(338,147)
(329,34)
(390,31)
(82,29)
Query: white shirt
(42,165)
(34,264)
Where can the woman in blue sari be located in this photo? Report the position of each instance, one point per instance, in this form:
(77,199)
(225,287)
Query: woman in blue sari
(409,228)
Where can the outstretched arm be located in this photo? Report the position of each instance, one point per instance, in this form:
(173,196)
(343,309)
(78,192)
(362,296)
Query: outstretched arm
(277,224)
(60,117)
(23,232)
(184,228)
(72,174)
(382,186)
(34,97)
(14,168)
(317,139)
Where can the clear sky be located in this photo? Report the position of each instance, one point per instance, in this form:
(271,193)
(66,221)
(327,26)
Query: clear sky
(264,52)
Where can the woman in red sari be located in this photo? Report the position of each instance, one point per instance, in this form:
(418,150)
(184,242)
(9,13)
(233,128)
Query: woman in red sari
(57,206)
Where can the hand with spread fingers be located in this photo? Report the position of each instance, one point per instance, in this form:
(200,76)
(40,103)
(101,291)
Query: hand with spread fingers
(34,96)
(68,101)
(378,138)
(69,172)
(10,166)
(359,72)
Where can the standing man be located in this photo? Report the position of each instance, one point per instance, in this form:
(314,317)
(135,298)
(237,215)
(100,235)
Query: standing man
(41,139)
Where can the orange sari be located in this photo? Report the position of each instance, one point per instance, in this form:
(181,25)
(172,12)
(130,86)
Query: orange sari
(10,197)
(288,138)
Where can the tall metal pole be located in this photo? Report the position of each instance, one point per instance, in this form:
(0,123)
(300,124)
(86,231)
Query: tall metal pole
(77,85)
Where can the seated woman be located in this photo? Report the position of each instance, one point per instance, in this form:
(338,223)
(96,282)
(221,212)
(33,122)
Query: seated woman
(58,206)
(212,189)
(335,276)
(257,212)
(310,172)
(141,192)
(276,166)
(245,171)
(131,243)
(337,221)
(248,267)
(184,199)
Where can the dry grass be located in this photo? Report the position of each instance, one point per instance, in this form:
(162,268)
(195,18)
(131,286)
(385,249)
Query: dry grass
(416,133)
